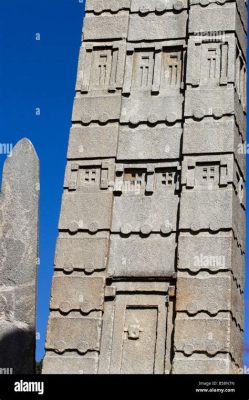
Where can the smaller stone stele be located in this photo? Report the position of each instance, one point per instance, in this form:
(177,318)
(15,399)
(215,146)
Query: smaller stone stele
(19,200)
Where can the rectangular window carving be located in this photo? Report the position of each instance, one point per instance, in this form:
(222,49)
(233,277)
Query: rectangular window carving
(143,67)
(240,80)
(104,68)
(135,178)
(171,69)
(211,64)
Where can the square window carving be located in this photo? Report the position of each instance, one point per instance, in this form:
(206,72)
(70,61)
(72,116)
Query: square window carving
(89,177)
(207,174)
(166,179)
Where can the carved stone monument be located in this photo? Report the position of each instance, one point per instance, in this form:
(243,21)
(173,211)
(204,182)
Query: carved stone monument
(18,259)
(149,264)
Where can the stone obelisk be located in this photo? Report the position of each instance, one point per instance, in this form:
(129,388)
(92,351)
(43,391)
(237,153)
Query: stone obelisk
(19,201)
(149,264)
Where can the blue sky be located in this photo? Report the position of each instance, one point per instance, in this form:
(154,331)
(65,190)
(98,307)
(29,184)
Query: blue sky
(41,74)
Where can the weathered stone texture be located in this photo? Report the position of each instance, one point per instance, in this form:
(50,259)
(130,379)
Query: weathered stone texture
(71,364)
(73,333)
(203,364)
(87,140)
(152,219)
(19,258)
(209,335)
(139,257)
(132,322)
(209,297)
(85,253)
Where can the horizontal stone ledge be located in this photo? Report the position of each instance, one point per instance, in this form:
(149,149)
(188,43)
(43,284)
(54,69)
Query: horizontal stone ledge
(210,335)
(203,364)
(211,293)
(81,334)
(74,293)
(70,363)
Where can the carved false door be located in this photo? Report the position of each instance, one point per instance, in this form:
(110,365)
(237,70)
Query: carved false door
(134,339)
(139,341)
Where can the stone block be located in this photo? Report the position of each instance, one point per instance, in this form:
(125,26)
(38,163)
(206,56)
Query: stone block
(150,27)
(213,252)
(93,141)
(210,335)
(143,7)
(203,364)
(73,293)
(241,8)
(149,143)
(70,364)
(145,214)
(212,210)
(99,6)
(86,211)
(78,334)
(137,257)
(219,292)
(151,109)
(105,27)
(87,254)
(96,109)
(214,103)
